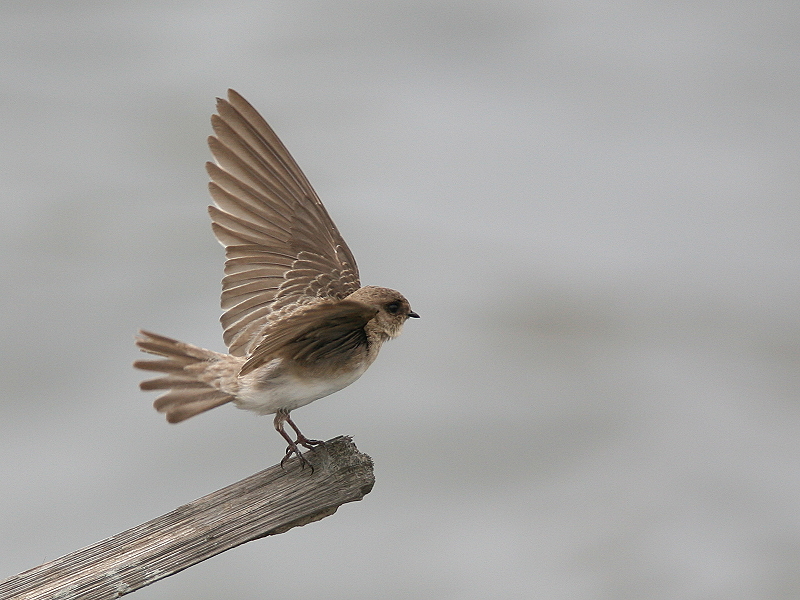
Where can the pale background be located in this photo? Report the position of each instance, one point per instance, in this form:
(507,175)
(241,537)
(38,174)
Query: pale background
(595,207)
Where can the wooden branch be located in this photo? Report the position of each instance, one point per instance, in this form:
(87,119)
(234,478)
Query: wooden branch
(267,503)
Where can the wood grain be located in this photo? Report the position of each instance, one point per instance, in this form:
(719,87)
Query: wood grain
(267,503)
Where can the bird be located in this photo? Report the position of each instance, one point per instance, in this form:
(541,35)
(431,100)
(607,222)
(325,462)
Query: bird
(297,322)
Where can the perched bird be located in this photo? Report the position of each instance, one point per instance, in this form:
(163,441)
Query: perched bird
(298,324)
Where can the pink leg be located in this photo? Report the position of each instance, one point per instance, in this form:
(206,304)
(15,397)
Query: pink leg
(281,417)
(301,439)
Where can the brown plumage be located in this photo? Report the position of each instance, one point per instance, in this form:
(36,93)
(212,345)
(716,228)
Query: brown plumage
(297,322)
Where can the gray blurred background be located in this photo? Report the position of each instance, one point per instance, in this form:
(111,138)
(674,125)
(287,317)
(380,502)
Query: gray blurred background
(594,206)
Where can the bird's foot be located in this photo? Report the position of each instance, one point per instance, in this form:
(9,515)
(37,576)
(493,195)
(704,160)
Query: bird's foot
(310,444)
(293,448)
(281,417)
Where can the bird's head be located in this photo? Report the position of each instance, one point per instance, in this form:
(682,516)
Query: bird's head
(393,309)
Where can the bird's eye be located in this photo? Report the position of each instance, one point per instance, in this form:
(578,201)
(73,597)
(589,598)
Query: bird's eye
(393,307)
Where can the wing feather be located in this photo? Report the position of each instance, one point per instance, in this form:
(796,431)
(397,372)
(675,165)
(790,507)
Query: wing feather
(328,330)
(283,250)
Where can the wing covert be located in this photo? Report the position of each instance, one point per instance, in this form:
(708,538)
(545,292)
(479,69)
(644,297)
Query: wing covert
(326,331)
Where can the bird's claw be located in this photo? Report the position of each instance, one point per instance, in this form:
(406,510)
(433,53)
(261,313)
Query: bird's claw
(293,449)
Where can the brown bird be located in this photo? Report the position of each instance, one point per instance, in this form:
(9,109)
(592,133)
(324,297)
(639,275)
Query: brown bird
(298,324)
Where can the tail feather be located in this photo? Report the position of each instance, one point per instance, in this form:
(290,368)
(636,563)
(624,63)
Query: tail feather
(197,379)
(180,405)
(170,383)
(164,366)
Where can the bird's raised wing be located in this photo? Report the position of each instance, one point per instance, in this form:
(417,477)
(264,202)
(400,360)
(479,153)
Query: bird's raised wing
(282,248)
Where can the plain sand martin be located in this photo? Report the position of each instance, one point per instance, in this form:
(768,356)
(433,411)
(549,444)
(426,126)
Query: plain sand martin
(298,324)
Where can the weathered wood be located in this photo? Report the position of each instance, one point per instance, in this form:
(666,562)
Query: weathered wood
(267,503)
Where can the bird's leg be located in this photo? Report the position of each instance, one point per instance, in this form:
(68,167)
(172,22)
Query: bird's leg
(301,439)
(281,417)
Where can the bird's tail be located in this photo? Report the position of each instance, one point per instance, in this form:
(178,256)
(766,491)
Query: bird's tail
(197,379)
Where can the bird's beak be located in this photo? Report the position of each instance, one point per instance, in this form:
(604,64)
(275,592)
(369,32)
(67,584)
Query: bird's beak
(413,315)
